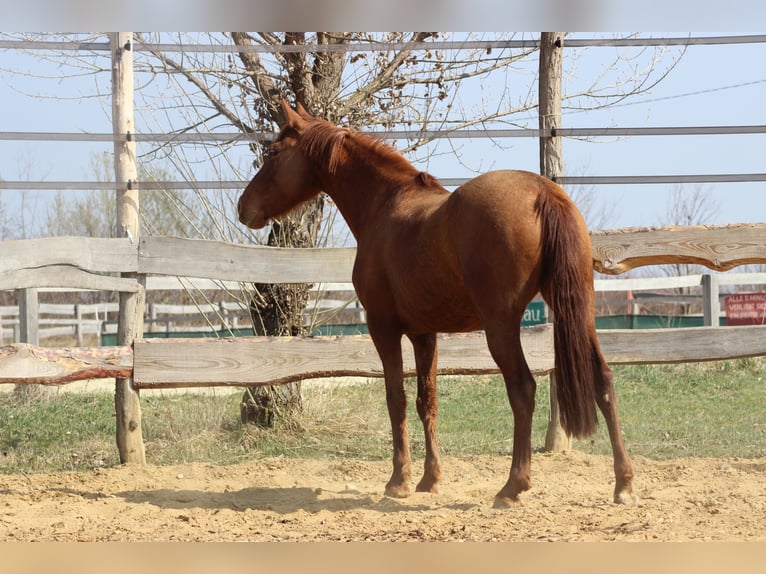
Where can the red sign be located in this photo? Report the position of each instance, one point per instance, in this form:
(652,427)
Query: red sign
(746,309)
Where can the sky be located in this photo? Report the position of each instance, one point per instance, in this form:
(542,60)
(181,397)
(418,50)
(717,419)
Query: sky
(711,86)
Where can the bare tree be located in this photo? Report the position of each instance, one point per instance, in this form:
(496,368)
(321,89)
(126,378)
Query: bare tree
(687,205)
(4,221)
(91,214)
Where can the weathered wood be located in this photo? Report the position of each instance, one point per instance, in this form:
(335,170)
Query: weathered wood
(719,247)
(29,316)
(249,361)
(64,276)
(92,254)
(556,438)
(614,252)
(552,167)
(22,363)
(246,361)
(711,302)
(131,320)
(246,263)
(688,345)
(550,68)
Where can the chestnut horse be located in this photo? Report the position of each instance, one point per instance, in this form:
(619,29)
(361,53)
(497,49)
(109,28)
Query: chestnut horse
(431,261)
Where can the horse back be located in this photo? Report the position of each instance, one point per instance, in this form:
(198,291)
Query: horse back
(447,261)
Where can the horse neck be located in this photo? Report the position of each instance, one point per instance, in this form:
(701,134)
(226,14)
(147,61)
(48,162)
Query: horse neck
(362,194)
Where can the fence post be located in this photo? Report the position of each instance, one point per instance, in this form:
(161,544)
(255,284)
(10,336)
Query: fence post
(552,167)
(711,302)
(29,316)
(78,330)
(130,325)
(152,317)
(29,332)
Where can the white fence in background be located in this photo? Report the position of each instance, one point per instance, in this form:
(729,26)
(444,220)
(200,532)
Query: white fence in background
(327,300)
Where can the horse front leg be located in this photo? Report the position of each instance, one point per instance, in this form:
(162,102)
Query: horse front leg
(389,348)
(427,407)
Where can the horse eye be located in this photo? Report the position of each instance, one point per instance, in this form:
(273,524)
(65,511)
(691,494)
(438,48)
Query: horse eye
(270,152)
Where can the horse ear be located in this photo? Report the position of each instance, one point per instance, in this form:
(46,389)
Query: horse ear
(294,120)
(302,111)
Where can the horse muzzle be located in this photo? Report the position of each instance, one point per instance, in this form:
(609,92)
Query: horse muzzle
(252,219)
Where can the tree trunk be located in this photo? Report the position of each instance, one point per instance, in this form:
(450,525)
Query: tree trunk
(279,310)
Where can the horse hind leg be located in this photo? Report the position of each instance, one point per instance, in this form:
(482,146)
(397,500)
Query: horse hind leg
(424,347)
(606,399)
(505,347)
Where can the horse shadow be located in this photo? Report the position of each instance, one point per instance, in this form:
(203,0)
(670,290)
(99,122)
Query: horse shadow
(279,500)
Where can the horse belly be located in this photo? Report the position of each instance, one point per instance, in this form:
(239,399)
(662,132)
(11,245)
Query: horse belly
(437,311)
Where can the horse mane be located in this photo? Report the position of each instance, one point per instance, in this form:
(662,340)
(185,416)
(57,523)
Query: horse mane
(325,143)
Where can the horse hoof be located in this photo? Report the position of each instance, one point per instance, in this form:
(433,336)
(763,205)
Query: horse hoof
(626,497)
(429,486)
(401,491)
(503,502)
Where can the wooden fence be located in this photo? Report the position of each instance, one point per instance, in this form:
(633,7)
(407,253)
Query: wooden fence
(224,311)
(331,307)
(86,263)
(90,263)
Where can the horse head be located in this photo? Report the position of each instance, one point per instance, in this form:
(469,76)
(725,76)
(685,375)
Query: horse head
(286,178)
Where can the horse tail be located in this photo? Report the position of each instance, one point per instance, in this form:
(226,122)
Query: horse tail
(567,286)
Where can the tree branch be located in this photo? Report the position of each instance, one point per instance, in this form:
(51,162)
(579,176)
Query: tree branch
(217,103)
(265,86)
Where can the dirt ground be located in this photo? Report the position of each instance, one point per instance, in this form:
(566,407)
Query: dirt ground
(279,499)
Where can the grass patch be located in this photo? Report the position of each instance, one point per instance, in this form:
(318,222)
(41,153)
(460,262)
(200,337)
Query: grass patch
(700,409)
(668,411)
(63,431)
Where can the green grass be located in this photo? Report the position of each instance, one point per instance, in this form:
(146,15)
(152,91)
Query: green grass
(668,411)
(703,409)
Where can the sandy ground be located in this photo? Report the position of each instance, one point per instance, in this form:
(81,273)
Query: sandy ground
(280,499)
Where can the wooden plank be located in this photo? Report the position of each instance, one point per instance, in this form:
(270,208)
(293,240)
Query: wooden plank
(614,252)
(268,360)
(93,254)
(167,363)
(65,276)
(23,363)
(272,360)
(246,263)
(688,345)
(720,247)
(646,283)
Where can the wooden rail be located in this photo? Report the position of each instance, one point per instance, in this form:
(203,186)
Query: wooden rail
(43,262)
(246,361)
(327,300)
(718,247)
(26,363)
